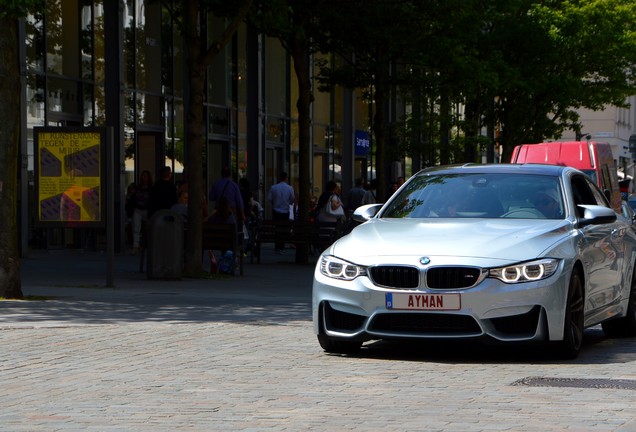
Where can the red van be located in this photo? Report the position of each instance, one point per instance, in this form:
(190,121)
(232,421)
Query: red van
(593,158)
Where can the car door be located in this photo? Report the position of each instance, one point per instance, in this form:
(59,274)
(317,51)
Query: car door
(601,248)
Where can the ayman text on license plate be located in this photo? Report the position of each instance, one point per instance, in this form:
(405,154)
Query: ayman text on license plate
(413,301)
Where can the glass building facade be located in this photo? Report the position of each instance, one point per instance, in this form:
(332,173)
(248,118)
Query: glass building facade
(121,64)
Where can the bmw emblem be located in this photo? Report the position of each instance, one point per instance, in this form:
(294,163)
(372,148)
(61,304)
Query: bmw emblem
(425,260)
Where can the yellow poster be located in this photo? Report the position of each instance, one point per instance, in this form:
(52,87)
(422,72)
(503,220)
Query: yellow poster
(69,176)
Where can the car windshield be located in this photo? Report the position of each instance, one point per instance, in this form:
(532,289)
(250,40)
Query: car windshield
(478,196)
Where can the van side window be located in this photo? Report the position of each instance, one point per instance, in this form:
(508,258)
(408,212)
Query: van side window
(606,177)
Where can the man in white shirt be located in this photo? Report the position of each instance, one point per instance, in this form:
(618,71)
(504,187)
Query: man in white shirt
(281,196)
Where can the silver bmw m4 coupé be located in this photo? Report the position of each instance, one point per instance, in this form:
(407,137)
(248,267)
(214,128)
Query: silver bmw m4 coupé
(512,253)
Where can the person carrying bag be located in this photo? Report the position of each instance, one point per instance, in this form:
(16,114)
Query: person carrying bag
(333,210)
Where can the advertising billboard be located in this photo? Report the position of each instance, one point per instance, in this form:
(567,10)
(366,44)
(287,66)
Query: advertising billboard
(69,176)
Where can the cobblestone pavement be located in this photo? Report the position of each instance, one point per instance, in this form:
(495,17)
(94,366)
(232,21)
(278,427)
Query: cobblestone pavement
(166,357)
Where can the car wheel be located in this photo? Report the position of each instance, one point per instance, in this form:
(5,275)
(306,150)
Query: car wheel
(333,345)
(570,346)
(338,346)
(625,326)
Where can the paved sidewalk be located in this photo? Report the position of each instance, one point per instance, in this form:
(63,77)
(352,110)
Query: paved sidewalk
(239,354)
(88,269)
(75,282)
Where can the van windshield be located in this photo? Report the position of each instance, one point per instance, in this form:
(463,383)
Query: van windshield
(591,174)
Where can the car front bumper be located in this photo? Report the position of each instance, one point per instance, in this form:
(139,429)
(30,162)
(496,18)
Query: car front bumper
(357,310)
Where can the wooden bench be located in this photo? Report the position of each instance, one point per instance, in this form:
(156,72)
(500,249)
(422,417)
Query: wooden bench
(222,237)
(317,235)
(326,234)
(271,231)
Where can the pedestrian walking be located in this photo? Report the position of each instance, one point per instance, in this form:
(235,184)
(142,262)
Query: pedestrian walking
(370,195)
(225,187)
(330,204)
(354,197)
(281,197)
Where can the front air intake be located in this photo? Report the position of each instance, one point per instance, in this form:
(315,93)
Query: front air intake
(453,277)
(400,277)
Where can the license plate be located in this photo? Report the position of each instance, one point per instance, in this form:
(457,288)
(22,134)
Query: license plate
(415,301)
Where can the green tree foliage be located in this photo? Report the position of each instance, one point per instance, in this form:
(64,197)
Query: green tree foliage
(373,38)
(536,63)
(575,54)
(10,12)
(518,67)
(14,9)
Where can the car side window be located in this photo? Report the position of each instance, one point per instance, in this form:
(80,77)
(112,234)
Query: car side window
(599,196)
(586,192)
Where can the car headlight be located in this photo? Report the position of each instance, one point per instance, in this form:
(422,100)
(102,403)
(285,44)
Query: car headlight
(333,267)
(526,272)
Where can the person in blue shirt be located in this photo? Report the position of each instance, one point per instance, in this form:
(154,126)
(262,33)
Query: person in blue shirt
(281,197)
(354,196)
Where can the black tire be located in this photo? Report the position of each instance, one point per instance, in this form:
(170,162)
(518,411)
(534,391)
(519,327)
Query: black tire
(570,346)
(625,326)
(334,345)
(338,346)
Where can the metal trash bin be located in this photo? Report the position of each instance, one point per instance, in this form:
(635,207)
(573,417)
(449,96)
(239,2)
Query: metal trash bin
(165,246)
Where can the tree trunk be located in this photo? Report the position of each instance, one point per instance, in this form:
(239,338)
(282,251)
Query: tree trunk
(10,281)
(379,129)
(444,128)
(300,54)
(471,129)
(194,163)
(199,54)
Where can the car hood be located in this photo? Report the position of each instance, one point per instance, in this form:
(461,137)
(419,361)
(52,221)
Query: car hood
(491,239)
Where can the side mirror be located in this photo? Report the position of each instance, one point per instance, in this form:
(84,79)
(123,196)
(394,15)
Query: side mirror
(366,212)
(596,215)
